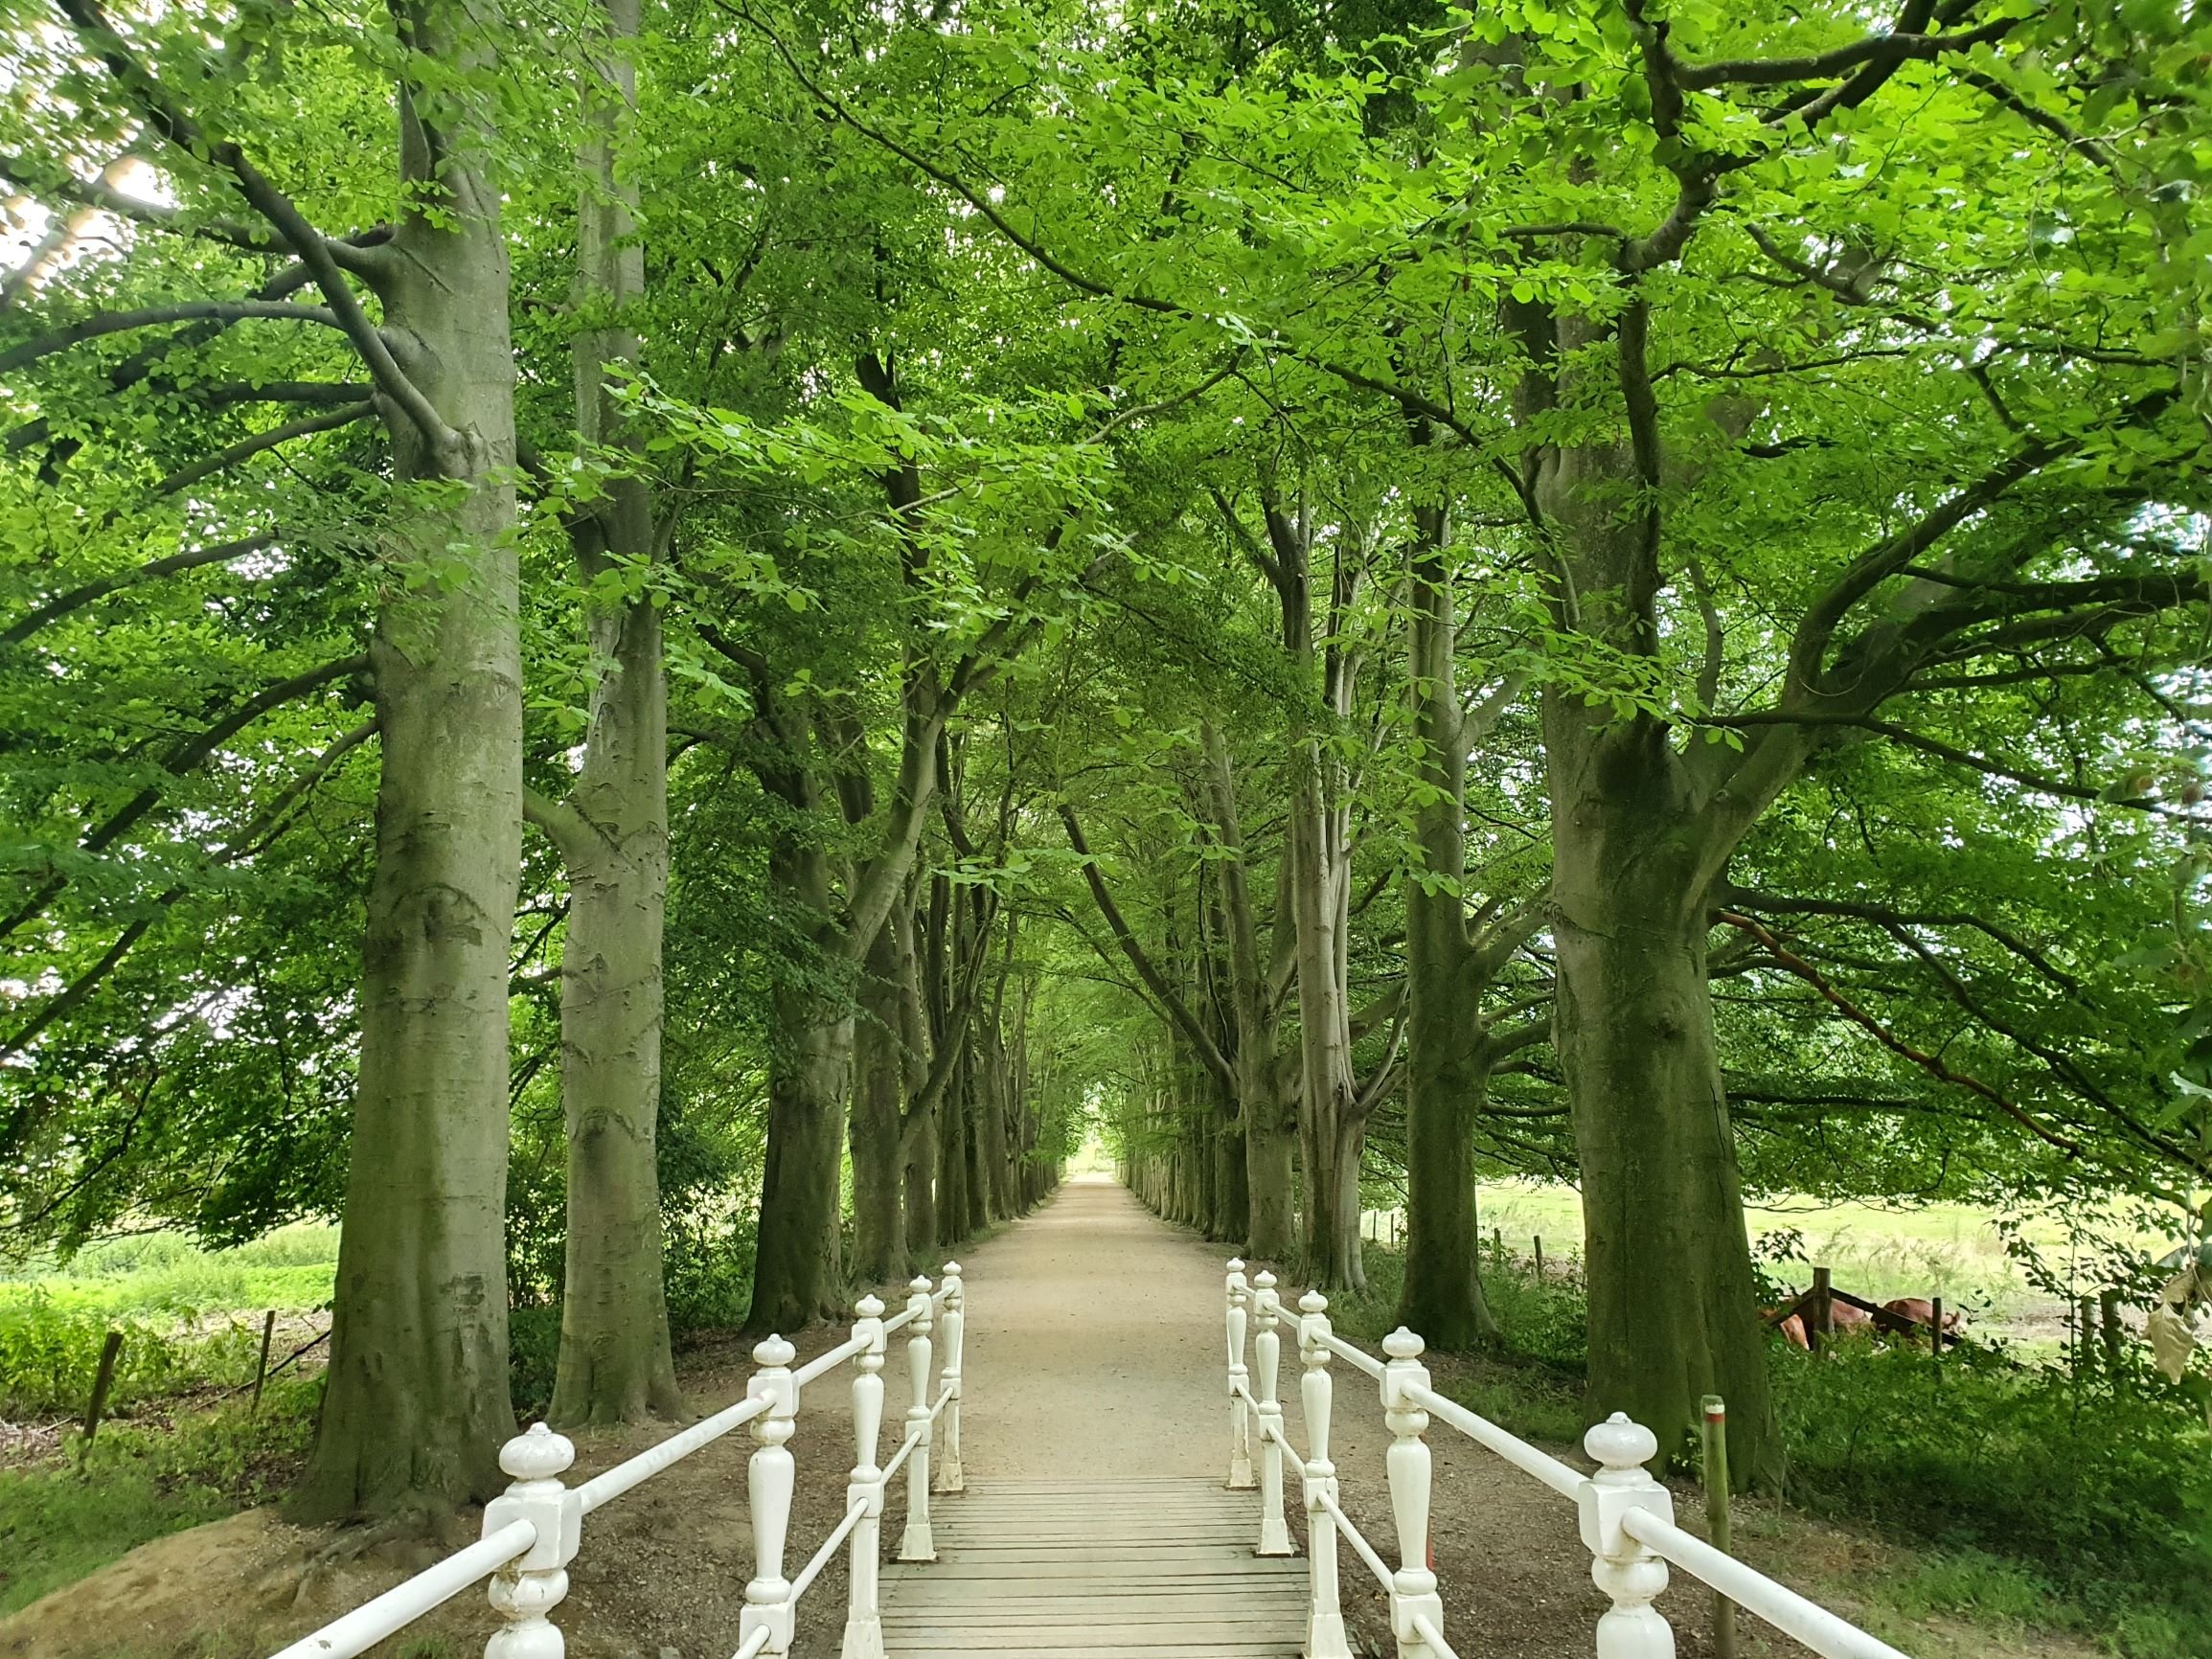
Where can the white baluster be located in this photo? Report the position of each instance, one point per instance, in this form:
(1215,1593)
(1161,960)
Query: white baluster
(951,1478)
(1325,1616)
(768,1480)
(529,1587)
(1625,1570)
(1239,1378)
(1267,1353)
(863,1620)
(916,1544)
(1413,1586)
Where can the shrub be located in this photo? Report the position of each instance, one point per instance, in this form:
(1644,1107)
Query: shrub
(133,1484)
(2101,1483)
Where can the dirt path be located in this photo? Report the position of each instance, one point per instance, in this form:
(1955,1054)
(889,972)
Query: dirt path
(1095,1352)
(1094,1344)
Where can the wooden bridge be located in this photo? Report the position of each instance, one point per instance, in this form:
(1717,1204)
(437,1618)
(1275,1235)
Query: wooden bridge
(1135,1476)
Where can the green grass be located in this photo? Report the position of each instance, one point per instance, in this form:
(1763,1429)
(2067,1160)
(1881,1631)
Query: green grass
(186,1315)
(140,1482)
(166,1274)
(1876,1251)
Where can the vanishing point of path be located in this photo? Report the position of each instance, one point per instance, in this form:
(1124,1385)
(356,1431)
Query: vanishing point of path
(1095,1441)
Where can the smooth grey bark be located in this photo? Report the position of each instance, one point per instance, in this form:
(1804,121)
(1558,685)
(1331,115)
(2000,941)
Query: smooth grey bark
(1673,1312)
(810,1064)
(1332,1126)
(416,1403)
(1265,1087)
(1451,1043)
(615,1364)
(878,1147)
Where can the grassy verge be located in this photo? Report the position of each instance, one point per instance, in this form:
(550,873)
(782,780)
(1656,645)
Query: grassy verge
(76,1510)
(2021,1499)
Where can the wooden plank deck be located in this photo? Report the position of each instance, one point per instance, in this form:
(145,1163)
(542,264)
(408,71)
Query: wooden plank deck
(1147,1568)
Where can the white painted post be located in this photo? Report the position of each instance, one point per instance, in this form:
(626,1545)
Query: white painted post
(769,1480)
(1413,1586)
(1267,1350)
(916,1544)
(1239,1378)
(529,1587)
(1624,1569)
(1325,1616)
(863,1619)
(951,1478)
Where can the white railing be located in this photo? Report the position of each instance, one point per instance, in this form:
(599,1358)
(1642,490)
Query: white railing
(1628,1517)
(534,1529)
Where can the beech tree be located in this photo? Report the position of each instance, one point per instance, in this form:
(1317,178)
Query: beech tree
(1365,600)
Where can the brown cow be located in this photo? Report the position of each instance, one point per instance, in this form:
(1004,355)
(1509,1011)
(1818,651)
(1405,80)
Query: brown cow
(1921,1311)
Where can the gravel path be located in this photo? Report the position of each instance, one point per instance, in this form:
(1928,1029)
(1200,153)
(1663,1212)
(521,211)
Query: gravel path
(1094,1345)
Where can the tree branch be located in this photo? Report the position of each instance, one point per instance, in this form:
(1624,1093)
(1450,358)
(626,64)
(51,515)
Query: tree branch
(77,599)
(263,829)
(105,323)
(184,756)
(1164,994)
(1928,1062)
(167,118)
(246,449)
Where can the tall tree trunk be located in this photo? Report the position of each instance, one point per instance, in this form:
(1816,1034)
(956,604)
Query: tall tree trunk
(918,1116)
(1266,1109)
(1329,1118)
(1673,1314)
(1447,1050)
(615,1364)
(878,1089)
(416,1403)
(1673,1309)
(953,1222)
(809,1063)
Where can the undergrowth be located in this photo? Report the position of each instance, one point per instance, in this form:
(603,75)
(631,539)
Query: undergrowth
(86,1506)
(2033,1496)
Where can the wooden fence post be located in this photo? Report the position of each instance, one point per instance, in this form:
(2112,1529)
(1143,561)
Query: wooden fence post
(1935,1318)
(528,1588)
(261,1370)
(1240,1382)
(1267,1354)
(101,1380)
(1539,1258)
(1822,1325)
(2109,1320)
(950,1477)
(770,1477)
(1624,1570)
(863,1617)
(1413,1585)
(1324,1610)
(1716,1426)
(916,1544)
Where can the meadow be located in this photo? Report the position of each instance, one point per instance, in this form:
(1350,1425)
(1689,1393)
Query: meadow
(1958,1252)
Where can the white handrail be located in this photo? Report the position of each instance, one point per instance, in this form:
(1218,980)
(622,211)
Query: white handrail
(1357,1539)
(820,1559)
(1432,1636)
(1625,1516)
(533,1529)
(1359,1357)
(1559,1477)
(1784,1608)
(356,1632)
(828,1360)
(610,1485)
